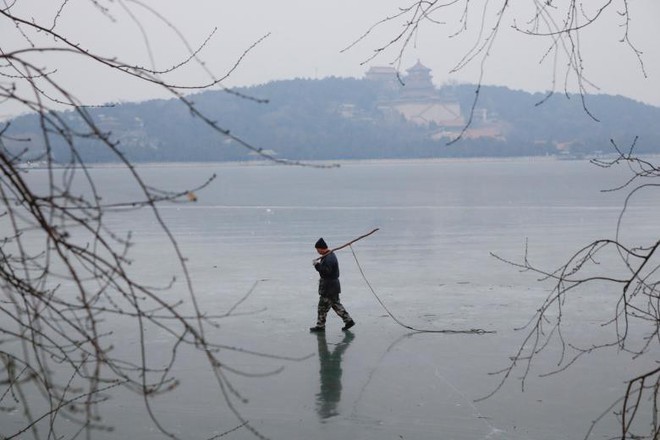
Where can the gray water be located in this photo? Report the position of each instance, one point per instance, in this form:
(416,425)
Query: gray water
(431,265)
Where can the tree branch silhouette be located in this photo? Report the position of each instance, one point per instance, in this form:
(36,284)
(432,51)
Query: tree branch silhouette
(632,268)
(65,273)
(633,326)
(561,23)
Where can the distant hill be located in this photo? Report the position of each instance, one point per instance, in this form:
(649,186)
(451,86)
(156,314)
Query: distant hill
(339,118)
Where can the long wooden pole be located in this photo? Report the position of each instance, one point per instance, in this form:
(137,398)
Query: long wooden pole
(347,244)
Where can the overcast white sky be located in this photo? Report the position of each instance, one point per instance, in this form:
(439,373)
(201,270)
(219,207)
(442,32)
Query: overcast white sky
(306,38)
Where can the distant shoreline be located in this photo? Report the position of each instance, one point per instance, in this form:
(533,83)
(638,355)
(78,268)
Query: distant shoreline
(340,162)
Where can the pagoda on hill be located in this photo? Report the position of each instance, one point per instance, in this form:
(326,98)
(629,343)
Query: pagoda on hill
(415,97)
(418,83)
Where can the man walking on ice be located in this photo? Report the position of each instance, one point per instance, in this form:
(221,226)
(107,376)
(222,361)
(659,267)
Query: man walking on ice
(329,288)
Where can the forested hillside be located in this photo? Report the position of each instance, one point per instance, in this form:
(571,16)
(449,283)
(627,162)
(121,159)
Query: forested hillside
(339,118)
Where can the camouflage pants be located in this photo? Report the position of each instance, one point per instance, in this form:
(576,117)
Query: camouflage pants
(327,303)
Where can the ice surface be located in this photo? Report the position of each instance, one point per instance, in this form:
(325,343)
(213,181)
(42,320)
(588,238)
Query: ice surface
(430,263)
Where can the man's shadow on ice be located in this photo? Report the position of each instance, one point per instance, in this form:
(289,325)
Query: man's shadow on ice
(330,375)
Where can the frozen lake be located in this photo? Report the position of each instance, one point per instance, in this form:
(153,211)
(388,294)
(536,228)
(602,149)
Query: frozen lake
(254,228)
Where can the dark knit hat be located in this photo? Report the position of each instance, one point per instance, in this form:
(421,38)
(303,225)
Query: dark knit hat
(320,244)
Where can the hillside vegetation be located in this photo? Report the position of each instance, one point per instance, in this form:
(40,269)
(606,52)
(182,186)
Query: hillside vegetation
(339,118)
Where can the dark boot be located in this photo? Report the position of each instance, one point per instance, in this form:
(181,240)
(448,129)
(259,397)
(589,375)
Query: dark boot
(348,325)
(317,329)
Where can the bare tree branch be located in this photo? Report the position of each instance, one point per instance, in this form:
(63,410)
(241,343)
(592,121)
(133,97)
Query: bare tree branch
(65,273)
(561,23)
(636,307)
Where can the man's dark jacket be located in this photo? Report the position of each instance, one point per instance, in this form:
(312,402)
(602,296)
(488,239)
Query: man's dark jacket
(328,268)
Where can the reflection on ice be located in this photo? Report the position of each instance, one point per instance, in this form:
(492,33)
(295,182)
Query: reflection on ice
(330,372)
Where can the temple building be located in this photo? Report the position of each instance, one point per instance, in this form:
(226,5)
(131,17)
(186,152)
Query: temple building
(418,84)
(417,99)
(385,75)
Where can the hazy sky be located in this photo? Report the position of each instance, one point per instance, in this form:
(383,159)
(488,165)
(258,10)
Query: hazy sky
(306,37)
